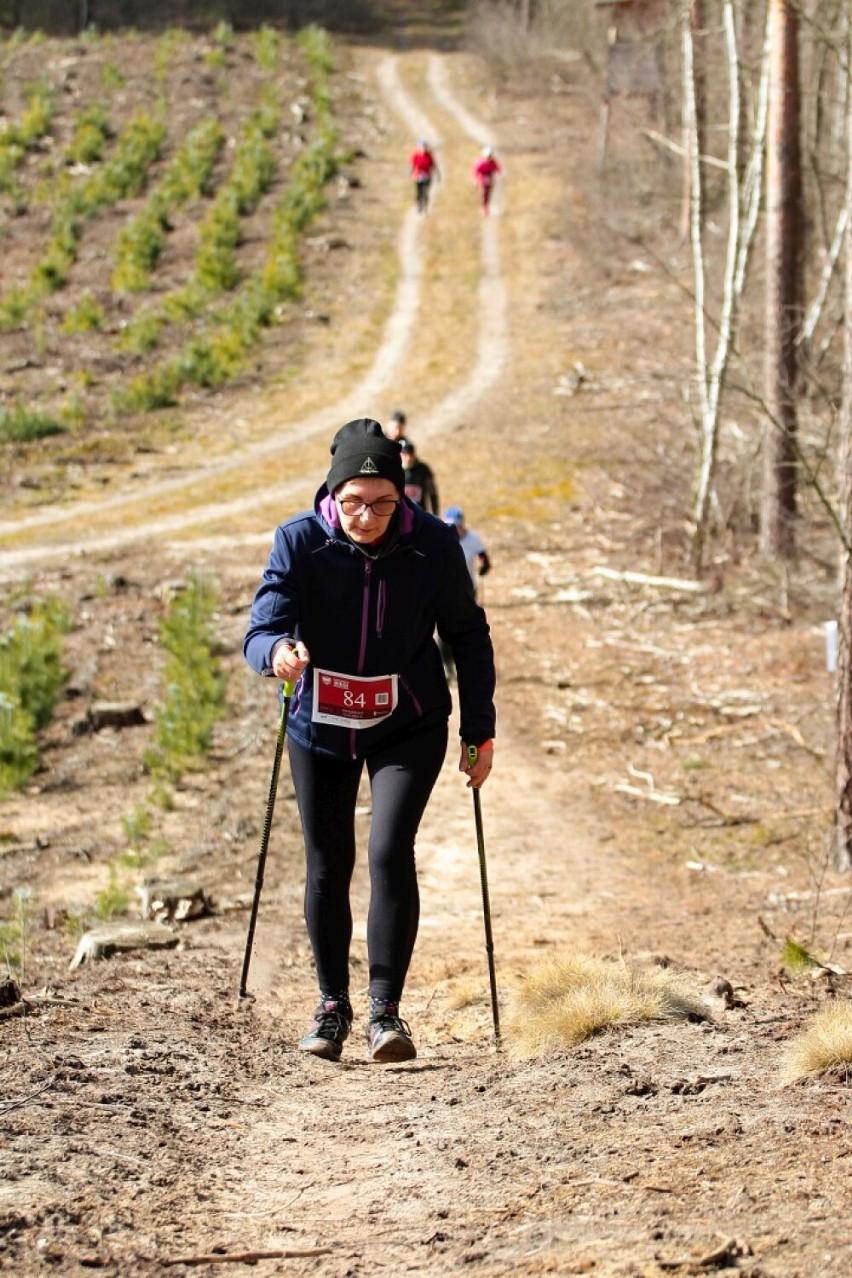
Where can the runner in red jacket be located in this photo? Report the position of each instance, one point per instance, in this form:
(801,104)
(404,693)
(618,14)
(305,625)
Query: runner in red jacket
(485,172)
(423,167)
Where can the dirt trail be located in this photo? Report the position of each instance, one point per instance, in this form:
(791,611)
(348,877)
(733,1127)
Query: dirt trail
(149,1118)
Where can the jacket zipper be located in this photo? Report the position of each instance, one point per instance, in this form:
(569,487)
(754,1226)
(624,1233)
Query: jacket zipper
(381,607)
(365,615)
(362,653)
(381,603)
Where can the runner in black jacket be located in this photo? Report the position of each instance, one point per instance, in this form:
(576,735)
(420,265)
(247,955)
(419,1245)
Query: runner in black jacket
(420,486)
(348,606)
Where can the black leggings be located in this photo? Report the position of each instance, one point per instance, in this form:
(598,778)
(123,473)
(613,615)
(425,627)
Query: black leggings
(422,193)
(402,776)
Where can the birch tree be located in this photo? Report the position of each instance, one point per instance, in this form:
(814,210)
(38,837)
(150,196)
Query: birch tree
(744,199)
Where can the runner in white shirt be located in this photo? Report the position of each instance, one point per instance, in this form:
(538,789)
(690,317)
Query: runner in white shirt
(475,554)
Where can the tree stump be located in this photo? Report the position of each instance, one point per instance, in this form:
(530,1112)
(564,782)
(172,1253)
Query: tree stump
(113,938)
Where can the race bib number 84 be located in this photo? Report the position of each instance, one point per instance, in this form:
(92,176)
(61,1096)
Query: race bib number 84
(353,702)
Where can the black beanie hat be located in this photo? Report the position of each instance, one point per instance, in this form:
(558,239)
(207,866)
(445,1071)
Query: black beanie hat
(361,450)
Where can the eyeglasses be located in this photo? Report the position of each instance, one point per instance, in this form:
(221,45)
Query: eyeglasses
(384,507)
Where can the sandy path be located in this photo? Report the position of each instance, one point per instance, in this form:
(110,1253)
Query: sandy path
(52,532)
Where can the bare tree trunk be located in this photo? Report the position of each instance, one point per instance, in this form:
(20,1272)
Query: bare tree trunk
(698,25)
(843,760)
(749,13)
(784,227)
(743,207)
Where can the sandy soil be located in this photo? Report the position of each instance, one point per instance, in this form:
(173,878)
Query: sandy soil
(659,794)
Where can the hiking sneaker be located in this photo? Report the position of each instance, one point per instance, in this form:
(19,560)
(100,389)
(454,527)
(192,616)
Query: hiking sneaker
(388,1036)
(330,1029)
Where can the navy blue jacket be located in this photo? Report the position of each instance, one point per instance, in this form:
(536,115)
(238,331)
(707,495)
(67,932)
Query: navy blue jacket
(375,613)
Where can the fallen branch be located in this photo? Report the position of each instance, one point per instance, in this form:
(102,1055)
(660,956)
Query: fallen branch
(655,796)
(246,1257)
(17,1009)
(8,1106)
(721,818)
(720,730)
(719,1257)
(665,583)
(31,1004)
(720,822)
(650,792)
(675,147)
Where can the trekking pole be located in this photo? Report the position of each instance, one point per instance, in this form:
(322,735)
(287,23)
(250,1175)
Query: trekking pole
(287,695)
(473,754)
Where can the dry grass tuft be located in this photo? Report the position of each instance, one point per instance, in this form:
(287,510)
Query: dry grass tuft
(566,1000)
(824,1045)
(464,994)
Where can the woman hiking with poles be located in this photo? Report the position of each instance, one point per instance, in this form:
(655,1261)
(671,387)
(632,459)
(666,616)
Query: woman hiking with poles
(347,611)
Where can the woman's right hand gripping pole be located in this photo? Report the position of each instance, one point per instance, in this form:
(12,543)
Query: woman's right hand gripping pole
(289,660)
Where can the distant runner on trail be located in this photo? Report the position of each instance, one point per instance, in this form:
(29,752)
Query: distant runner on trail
(485,172)
(420,483)
(347,610)
(395,428)
(478,564)
(475,554)
(423,167)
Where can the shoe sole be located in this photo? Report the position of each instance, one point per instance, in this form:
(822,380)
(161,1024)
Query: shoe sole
(394,1047)
(321,1047)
